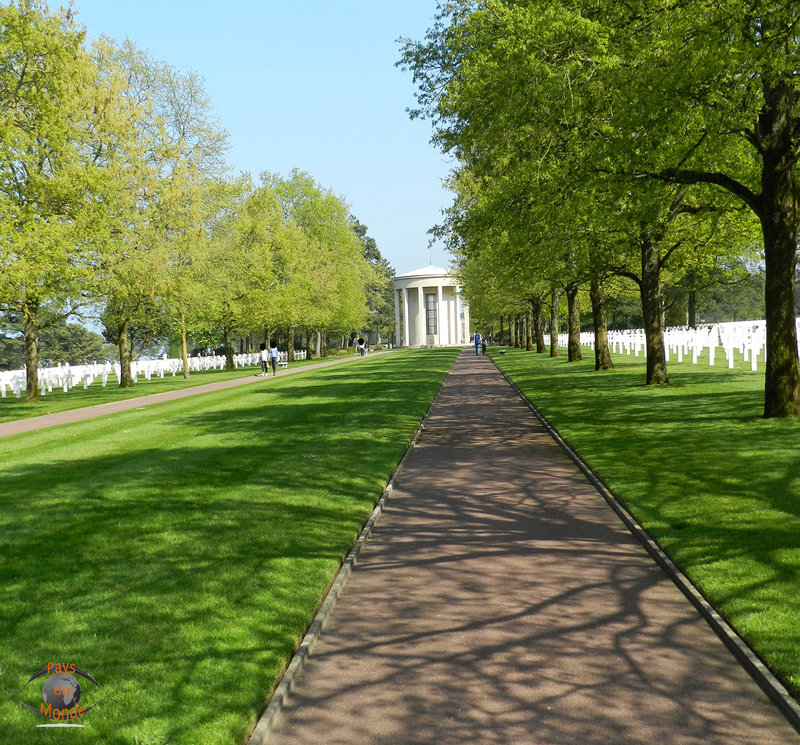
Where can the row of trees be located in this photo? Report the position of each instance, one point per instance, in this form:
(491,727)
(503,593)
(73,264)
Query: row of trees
(114,194)
(734,296)
(653,140)
(59,342)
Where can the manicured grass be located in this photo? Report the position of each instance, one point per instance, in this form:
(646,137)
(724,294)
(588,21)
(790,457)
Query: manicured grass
(712,481)
(12,407)
(176,553)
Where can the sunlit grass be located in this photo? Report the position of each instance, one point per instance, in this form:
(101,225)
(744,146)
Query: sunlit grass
(176,553)
(712,481)
(58,400)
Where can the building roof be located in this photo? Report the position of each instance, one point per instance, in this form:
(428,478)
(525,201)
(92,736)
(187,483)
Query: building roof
(426,271)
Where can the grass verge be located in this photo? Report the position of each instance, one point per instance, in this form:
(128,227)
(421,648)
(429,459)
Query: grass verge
(176,553)
(712,481)
(12,408)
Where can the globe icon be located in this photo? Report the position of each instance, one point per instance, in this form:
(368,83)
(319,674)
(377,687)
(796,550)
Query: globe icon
(61,691)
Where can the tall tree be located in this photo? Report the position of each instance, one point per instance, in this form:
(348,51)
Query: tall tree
(133,261)
(192,157)
(379,291)
(51,96)
(237,265)
(726,76)
(324,217)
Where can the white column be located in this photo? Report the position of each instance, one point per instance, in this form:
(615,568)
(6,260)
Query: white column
(406,339)
(447,338)
(439,316)
(454,318)
(396,317)
(421,340)
(457,319)
(466,322)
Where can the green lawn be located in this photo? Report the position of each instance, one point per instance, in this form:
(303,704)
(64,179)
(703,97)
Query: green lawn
(176,553)
(12,407)
(714,483)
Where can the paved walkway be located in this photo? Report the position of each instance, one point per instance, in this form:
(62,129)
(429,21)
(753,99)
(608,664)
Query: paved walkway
(89,412)
(500,600)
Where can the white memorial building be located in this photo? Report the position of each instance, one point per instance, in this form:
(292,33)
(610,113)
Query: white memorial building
(428,309)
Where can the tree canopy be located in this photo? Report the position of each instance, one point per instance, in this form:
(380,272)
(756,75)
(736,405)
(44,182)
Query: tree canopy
(116,199)
(653,140)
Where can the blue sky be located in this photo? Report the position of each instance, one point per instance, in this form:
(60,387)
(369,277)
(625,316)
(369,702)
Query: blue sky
(309,85)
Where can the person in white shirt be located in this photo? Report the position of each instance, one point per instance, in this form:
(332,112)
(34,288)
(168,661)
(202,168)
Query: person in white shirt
(263,360)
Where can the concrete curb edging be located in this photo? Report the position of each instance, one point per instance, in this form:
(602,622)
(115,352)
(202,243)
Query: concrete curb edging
(284,687)
(751,662)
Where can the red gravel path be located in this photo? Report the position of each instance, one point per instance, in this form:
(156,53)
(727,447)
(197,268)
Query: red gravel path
(500,600)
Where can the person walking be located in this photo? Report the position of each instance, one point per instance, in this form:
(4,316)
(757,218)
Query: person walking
(273,355)
(264,358)
(477,343)
(483,345)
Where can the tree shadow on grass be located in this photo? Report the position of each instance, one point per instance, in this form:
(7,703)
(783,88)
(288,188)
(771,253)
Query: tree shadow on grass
(145,572)
(182,570)
(713,482)
(500,600)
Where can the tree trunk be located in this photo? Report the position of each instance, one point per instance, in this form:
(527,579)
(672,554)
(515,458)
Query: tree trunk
(528,338)
(650,291)
(692,309)
(290,345)
(602,354)
(501,330)
(125,375)
(31,316)
(782,377)
(184,352)
(536,308)
(229,367)
(554,300)
(779,225)
(319,343)
(512,337)
(574,324)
